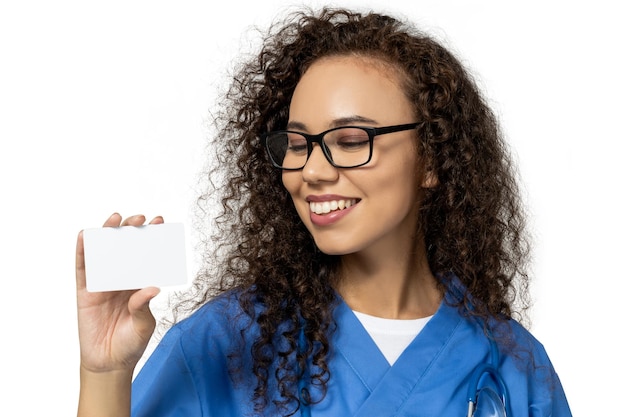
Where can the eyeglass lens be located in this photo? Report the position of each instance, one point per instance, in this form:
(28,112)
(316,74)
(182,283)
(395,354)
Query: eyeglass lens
(345,147)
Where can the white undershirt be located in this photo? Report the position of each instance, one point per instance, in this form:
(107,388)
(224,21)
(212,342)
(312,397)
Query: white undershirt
(390,335)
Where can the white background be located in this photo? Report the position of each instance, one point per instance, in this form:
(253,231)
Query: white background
(102,106)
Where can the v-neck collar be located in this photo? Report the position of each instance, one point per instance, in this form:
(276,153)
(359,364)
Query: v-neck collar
(390,386)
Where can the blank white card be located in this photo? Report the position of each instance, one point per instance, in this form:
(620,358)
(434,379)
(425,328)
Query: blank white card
(131,257)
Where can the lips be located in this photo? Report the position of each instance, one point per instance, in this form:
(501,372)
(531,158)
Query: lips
(328,209)
(327,206)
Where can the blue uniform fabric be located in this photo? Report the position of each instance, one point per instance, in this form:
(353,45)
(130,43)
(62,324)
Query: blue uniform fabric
(188,373)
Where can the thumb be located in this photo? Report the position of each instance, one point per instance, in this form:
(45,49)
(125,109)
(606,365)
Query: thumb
(139,308)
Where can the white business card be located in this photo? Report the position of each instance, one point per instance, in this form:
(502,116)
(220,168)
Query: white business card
(132,257)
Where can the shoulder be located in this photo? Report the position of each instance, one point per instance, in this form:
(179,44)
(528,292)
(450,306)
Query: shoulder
(522,344)
(194,357)
(529,373)
(204,339)
(218,320)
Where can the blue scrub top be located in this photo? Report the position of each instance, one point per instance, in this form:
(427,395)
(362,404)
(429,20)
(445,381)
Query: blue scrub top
(188,373)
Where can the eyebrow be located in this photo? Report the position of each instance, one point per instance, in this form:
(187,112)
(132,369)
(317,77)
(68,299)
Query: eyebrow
(342,121)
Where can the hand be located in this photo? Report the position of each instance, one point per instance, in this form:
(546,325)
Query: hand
(114,327)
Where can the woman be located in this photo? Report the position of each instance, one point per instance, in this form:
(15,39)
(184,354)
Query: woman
(372,247)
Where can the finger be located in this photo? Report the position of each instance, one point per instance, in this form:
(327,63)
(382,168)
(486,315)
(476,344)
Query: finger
(80,262)
(136,220)
(113,221)
(157,220)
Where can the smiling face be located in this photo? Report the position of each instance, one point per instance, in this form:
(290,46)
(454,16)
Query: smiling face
(369,209)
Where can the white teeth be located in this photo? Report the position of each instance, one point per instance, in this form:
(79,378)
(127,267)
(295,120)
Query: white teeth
(328,206)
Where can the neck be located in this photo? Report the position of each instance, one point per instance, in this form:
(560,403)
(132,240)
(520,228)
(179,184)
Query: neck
(390,283)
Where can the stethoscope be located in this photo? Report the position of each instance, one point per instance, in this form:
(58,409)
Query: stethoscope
(487,401)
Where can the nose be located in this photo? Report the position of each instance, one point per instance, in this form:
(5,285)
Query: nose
(318,168)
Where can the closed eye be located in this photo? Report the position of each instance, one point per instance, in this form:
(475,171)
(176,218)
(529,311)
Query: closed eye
(296,144)
(352,141)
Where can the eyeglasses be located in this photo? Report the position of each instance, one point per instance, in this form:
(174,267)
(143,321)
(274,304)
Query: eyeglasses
(343,147)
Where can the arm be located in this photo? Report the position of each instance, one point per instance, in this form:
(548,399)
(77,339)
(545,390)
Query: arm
(104,393)
(114,329)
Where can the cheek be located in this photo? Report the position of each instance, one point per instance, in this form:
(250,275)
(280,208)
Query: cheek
(399,169)
(401,186)
(290,182)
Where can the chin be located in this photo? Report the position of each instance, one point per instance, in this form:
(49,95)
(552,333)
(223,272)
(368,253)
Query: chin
(334,249)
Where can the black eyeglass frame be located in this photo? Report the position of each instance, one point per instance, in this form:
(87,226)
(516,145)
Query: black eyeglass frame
(372,132)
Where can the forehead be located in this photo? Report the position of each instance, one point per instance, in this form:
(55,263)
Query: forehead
(343,86)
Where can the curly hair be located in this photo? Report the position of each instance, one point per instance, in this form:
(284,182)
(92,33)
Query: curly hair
(473,220)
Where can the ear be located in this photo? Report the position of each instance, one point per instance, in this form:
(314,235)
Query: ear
(430,180)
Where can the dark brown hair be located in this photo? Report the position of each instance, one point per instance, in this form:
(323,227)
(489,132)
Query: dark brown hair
(472,220)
